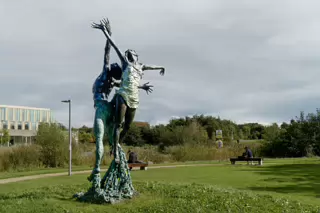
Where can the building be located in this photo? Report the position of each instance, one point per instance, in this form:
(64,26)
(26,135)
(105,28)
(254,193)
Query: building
(22,122)
(141,124)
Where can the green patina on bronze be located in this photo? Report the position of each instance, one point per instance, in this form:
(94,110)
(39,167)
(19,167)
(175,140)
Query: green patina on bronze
(115,117)
(115,186)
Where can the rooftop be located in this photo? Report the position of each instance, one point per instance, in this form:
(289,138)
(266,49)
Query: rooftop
(23,107)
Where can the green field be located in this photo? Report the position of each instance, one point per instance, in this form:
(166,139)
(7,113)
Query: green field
(290,185)
(37,171)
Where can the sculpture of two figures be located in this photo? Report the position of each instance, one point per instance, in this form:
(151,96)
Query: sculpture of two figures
(114,116)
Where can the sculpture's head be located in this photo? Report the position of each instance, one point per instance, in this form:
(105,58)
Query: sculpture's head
(115,71)
(131,56)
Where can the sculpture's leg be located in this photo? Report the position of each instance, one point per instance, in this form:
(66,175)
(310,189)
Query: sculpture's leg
(120,111)
(109,129)
(129,116)
(99,127)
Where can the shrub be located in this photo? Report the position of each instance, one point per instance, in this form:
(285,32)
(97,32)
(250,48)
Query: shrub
(20,158)
(53,144)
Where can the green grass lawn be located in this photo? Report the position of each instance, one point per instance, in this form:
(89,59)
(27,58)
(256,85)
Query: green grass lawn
(290,185)
(37,171)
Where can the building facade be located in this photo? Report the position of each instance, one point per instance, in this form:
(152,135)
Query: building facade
(22,122)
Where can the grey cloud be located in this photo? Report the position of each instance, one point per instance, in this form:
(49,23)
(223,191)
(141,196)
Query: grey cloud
(245,61)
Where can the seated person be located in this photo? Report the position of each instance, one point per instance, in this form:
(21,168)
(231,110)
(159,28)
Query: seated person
(246,154)
(133,157)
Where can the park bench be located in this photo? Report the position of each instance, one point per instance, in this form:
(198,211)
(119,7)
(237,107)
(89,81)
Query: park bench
(233,160)
(143,166)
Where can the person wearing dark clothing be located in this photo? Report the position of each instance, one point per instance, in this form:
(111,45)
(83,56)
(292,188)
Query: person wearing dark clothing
(248,153)
(133,157)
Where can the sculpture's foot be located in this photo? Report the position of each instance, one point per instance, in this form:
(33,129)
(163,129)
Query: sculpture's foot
(78,195)
(90,177)
(93,174)
(114,187)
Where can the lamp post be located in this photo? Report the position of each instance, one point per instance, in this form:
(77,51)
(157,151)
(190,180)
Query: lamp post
(1,134)
(70,135)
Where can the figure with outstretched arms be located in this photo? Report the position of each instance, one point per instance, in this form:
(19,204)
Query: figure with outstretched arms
(116,184)
(103,85)
(127,97)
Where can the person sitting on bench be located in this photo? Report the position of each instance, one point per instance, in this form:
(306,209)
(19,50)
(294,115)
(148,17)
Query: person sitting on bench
(133,157)
(247,154)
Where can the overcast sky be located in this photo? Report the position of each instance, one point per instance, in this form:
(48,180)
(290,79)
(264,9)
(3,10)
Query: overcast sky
(248,61)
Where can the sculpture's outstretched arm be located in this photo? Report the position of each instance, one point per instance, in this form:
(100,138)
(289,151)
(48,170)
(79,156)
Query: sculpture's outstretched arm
(106,60)
(102,27)
(153,67)
(146,87)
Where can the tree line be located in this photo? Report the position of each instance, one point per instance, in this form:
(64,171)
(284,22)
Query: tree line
(297,138)
(196,129)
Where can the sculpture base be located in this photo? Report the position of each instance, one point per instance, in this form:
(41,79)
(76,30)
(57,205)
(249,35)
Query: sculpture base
(115,186)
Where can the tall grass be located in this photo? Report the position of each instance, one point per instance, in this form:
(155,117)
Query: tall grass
(19,158)
(27,157)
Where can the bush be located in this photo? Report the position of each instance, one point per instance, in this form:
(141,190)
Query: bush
(20,158)
(5,137)
(203,152)
(53,144)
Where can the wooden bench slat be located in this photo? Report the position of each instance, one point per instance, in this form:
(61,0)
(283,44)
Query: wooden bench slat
(246,159)
(233,160)
(137,164)
(143,166)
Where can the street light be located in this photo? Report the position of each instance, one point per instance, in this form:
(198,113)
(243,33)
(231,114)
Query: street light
(70,136)
(1,135)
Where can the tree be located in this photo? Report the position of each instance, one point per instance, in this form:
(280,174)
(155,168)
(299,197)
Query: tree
(53,144)
(134,136)
(271,132)
(5,138)
(298,139)
(85,137)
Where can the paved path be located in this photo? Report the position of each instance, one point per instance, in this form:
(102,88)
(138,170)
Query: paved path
(32,177)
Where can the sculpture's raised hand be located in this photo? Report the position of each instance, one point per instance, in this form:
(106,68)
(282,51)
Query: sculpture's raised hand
(162,71)
(103,26)
(98,26)
(147,88)
(107,25)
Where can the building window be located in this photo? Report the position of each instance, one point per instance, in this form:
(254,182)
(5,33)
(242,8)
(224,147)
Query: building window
(32,115)
(12,126)
(19,126)
(14,115)
(26,126)
(18,115)
(5,126)
(34,126)
(24,115)
(44,116)
(3,113)
(10,114)
(37,115)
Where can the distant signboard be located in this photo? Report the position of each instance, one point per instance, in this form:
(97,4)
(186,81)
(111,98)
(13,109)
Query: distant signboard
(218,133)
